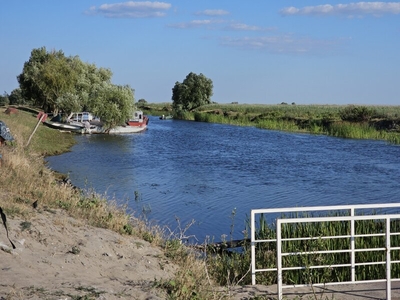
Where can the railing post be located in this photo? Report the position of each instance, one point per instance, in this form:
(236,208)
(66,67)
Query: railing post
(253,248)
(388,262)
(279,258)
(353,246)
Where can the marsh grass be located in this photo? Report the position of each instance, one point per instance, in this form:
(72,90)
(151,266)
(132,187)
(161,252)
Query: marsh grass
(345,121)
(356,131)
(277,124)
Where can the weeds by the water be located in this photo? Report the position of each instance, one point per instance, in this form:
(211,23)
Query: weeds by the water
(350,121)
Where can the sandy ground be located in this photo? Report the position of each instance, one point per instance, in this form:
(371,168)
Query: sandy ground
(59,257)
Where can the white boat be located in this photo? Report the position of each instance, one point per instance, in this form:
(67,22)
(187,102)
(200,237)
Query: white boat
(138,123)
(85,122)
(64,126)
(163,117)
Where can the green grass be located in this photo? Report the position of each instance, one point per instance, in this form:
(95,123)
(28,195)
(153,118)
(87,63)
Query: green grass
(45,141)
(355,122)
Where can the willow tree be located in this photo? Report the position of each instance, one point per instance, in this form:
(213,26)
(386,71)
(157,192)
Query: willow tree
(193,92)
(114,104)
(55,82)
(32,80)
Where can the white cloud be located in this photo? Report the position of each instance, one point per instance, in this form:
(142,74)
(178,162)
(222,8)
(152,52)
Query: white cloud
(284,44)
(195,24)
(246,27)
(132,9)
(213,12)
(350,9)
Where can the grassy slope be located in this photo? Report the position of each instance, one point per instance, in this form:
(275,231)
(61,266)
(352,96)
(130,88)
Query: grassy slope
(24,177)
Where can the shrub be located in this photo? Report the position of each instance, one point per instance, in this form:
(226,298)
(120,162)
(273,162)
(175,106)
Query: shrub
(357,113)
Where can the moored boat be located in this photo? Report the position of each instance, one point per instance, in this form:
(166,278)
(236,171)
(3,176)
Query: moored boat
(64,126)
(56,123)
(85,122)
(163,117)
(138,123)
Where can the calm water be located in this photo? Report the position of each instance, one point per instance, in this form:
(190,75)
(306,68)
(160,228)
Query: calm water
(208,172)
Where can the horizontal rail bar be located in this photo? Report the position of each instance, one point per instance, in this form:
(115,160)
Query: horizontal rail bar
(325,208)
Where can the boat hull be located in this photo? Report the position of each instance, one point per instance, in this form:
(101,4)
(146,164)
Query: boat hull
(127,129)
(64,126)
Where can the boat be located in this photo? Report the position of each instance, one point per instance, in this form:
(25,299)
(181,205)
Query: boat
(85,122)
(64,126)
(56,123)
(163,117)
(138,123)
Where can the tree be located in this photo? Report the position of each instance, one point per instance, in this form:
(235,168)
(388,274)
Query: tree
(55,82)
(114,104)
(16,97)
(4,100)
(193,92)
(30,78)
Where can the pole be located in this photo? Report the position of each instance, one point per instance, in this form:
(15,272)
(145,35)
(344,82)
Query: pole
(34,130)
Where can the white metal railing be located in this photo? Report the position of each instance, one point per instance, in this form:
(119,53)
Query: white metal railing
(351,217)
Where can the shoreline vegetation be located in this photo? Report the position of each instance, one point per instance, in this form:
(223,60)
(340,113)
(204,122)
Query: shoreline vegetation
(343,121)
(25,178)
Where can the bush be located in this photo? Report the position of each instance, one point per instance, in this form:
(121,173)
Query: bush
(357,113)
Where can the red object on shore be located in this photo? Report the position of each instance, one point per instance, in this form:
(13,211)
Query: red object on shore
(40,114)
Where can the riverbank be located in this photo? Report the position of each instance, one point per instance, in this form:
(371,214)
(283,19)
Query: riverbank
(71,244)
(62,231)
(344,121)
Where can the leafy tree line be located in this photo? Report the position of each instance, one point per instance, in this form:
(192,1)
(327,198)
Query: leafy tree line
(58,83)
(14,98)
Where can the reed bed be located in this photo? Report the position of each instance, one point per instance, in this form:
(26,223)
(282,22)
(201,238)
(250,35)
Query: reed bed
(294,111)
(356,131)
(356,122)
(278,124)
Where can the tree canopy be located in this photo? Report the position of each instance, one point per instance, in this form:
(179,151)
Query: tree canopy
(194,91)
(56,83)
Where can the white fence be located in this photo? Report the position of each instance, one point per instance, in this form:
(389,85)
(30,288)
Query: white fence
(349,214)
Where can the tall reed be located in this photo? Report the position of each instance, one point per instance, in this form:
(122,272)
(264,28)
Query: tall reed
(356,131)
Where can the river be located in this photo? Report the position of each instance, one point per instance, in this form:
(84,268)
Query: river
(215,174)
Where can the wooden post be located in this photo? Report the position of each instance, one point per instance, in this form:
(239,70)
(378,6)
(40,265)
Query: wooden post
(34,130)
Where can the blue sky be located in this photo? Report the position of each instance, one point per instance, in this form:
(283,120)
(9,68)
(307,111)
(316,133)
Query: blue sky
(254,51)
